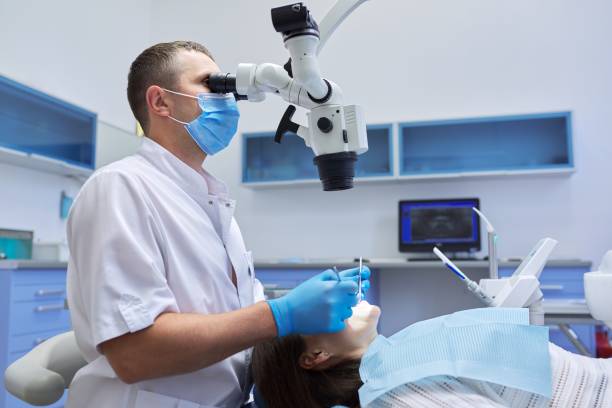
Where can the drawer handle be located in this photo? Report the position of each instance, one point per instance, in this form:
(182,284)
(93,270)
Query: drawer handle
(40,340)
(49,308)
(50,292)
(551,287)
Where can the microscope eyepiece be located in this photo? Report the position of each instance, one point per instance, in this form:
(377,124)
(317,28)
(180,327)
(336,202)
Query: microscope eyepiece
(222,82)
(336,170)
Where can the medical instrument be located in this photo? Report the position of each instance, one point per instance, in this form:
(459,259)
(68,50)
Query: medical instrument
(470,284)
(522,289)
(598,290)
(509,352)
(491,245)
(359,295)
(315,306)
(337,274)
(336,132)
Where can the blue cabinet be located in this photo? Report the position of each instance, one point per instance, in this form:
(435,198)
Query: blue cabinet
(33,124)
(264,161)
(506,145)
(487,145)
(378,160)
(32,310)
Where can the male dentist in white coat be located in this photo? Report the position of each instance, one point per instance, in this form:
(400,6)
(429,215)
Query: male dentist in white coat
(161,288)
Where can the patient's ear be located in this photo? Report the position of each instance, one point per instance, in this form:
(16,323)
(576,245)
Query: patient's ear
(311,360)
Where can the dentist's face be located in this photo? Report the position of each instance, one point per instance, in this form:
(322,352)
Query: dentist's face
(194,69)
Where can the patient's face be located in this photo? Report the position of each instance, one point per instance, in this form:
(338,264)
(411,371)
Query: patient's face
(326,350)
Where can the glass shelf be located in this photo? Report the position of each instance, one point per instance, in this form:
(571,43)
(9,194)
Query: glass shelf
(500,144)
(40,125)
(265,161)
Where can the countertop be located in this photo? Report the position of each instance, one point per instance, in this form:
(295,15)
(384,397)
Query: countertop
(11,264)
(402,263)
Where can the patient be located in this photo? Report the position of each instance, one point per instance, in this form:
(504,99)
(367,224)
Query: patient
(323,371)
(315,371)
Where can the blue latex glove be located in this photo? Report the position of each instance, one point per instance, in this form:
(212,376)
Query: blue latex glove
(353,274)
(319,305)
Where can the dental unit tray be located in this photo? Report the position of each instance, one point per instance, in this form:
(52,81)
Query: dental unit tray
(522,289)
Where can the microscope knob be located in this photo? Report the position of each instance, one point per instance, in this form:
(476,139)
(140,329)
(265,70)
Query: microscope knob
(325,125)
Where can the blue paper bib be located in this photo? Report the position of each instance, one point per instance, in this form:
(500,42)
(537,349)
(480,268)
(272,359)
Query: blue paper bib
(496,345)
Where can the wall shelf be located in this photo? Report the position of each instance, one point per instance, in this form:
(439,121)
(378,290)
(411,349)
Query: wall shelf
(524,143)
(265,164)
(42,163)
(489,147)
(45,133)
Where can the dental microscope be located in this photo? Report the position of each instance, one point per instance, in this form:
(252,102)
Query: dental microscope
(335,132)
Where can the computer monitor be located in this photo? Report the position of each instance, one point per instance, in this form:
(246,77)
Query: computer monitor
(450,225)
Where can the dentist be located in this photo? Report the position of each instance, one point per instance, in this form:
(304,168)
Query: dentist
(161,288)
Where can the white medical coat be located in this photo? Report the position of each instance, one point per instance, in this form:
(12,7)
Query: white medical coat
(147,235)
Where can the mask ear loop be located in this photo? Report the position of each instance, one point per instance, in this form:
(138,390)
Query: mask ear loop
(181,94)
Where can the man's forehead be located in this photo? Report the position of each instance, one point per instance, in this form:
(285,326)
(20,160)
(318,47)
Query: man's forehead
(195,63)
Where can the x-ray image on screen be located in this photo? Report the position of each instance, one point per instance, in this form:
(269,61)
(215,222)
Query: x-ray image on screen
(449,224)
(441,223)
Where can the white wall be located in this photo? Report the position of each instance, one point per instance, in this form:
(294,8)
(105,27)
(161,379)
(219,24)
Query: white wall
(80,52)
(402,60)
(416,60)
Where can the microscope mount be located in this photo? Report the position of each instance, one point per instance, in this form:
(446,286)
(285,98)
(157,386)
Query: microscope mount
(336,132)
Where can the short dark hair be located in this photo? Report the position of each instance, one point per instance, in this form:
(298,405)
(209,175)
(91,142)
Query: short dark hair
(282,382)
(155,66)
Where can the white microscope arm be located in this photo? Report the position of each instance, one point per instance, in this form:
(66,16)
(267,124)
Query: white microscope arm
(254,80)
(334,18)
(336,133)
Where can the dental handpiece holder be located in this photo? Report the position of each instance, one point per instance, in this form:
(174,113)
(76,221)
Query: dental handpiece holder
(336,133)
(522,289)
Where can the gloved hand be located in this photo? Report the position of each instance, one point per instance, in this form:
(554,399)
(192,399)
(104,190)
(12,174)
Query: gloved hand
(353,274)
(318,305)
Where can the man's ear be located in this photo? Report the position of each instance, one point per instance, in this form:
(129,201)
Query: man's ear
(311,360)
(157,101)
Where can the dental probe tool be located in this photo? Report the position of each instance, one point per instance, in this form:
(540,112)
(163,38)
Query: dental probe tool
(359,297)
(471,285)
(337,274)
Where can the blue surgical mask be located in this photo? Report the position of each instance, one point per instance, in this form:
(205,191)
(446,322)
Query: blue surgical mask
(215,127)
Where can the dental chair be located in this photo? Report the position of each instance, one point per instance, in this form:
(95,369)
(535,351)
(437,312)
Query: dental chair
(598,290)
(42,375)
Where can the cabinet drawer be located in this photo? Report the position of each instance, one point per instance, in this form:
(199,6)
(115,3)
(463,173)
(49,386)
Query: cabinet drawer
(39,276)
(41,291)
(26,342)
(36,317)
(558,283)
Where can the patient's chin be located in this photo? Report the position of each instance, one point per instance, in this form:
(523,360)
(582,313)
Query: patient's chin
(365,317)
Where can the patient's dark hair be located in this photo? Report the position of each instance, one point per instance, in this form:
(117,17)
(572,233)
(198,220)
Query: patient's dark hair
(282,383)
